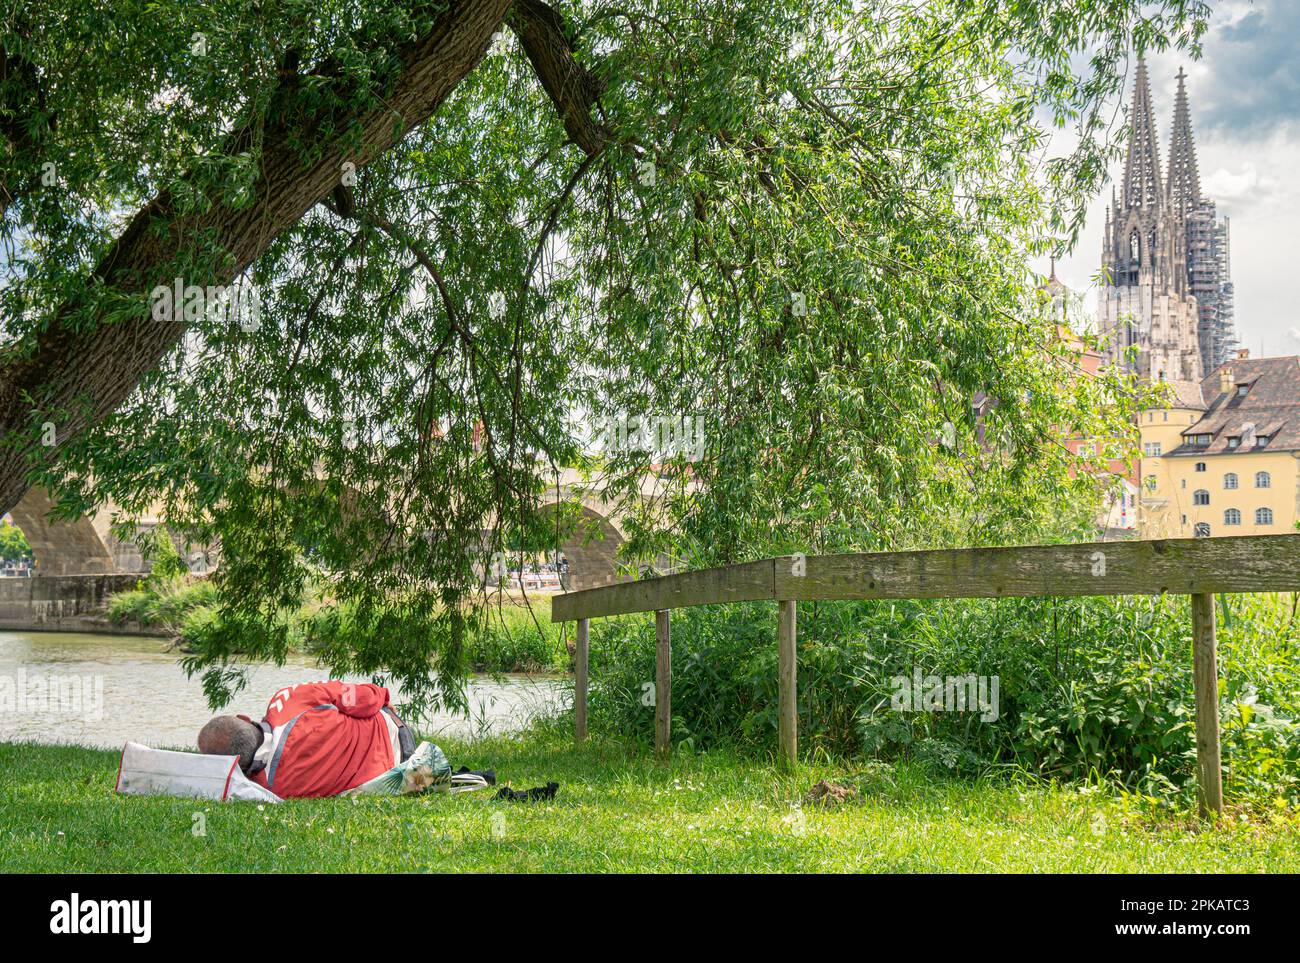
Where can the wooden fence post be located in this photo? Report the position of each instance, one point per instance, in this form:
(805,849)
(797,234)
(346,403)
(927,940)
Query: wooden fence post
(1205,674)
(788,719)
(580,683)
(663,685)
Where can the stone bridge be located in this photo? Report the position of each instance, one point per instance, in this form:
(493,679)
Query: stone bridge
(87,546)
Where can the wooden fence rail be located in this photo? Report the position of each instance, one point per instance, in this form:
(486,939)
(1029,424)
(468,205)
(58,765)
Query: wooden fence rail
(1199,568)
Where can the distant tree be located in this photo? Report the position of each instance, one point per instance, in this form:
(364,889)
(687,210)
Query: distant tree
(158,549)
(13,543)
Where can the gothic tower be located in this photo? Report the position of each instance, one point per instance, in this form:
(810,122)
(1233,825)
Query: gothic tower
(1147,309)
(1208,276)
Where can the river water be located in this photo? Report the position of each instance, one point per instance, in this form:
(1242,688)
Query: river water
(101,690)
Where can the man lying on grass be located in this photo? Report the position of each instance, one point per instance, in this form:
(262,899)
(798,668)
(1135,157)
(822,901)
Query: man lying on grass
(317,739)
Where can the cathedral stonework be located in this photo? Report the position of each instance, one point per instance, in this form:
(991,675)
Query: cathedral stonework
(1166,308)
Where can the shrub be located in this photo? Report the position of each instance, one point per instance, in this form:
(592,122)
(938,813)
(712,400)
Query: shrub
(161,602)
(511,638)
(1086,686)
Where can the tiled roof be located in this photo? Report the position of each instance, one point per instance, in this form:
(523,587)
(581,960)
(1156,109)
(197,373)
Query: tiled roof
(1272,406)
(1188,394)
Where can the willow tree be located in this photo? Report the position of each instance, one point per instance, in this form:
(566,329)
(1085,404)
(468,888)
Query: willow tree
(473,227)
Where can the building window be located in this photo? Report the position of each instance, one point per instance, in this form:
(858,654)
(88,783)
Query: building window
(1134,248)
(1232,517)
(1200,466)
(1152,449)
(1086,451)
(1200,497)
(1202,530)
(1151,483)
(1243,390)
(1183,483)
(1263,516)
(1261,441)
(1230,480)
(1166,416)
(1234,441)
(1262,480)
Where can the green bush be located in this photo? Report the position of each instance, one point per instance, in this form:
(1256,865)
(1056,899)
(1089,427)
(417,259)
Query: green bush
(161,602)
(513,639)
(129,606)
(507,638)
(1087,687)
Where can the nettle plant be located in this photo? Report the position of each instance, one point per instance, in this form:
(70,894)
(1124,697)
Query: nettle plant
(806,223)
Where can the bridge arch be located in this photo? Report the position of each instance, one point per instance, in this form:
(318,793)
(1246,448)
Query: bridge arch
(591,537)
(59,547)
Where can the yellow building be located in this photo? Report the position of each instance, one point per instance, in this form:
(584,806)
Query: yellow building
(1224,458)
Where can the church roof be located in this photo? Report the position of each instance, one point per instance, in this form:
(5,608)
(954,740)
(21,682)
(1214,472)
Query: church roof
(1271,407)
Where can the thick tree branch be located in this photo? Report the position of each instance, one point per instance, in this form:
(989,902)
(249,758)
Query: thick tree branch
(572,89)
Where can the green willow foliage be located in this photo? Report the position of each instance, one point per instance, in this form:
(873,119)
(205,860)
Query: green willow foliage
(809,228)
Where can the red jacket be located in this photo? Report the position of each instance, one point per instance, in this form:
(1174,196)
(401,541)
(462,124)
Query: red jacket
(324,738)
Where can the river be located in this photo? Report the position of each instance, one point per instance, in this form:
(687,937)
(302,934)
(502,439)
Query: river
(101,690)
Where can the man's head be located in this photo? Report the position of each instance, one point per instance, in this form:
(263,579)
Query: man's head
(231,736)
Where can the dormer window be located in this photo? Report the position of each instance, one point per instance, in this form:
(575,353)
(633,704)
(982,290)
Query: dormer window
(1243,390)
(1261,441)
(1201,439)
(1234,441)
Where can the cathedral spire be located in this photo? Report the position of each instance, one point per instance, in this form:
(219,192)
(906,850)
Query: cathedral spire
(1142,167)
(1184,178)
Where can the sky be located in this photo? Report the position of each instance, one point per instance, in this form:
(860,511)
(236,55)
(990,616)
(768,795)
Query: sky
(1244,95)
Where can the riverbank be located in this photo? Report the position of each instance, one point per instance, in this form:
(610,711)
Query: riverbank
(513,634)
(617,811)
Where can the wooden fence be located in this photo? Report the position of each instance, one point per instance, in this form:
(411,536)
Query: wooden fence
(1199,568)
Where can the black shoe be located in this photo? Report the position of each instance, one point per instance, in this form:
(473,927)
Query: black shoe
(536,794)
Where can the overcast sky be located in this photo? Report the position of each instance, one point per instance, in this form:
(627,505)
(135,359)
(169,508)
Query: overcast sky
(1244,95)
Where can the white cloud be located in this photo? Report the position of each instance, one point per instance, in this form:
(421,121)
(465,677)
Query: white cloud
(1224,185)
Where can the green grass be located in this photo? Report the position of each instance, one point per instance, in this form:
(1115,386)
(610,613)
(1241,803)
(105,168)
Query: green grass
(617,811)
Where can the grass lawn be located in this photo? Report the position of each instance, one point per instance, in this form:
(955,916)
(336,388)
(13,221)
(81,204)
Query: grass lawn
(617,811)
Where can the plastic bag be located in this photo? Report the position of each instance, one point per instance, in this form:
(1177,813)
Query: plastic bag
(163,772)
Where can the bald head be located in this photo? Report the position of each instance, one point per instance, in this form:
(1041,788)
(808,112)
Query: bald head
(231,736)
